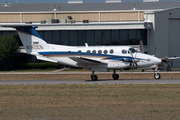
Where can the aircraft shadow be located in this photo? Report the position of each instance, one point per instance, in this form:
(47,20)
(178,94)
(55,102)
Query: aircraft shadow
(115,80)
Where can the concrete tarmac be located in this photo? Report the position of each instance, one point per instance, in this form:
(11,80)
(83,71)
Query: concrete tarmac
(71,82)
(39,78)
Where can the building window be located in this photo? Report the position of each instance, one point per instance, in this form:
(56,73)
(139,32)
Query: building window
(56,37)
(124,37)
(48,36)
(92,37)
(73,38)
(98,37)
(115,37)
(65,37)
(81,37)
(106,37)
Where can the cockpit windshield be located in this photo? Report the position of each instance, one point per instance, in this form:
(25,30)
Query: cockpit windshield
(132,50)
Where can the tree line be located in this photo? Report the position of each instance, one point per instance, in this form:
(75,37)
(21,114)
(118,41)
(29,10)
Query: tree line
(8,51)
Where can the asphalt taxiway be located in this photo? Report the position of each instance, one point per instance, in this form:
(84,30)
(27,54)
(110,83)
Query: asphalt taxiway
(71,82)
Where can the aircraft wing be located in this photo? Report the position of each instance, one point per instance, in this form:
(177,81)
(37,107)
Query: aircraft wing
(83,60)
(170,59)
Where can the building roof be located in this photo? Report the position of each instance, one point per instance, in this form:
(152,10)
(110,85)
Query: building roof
(88,6)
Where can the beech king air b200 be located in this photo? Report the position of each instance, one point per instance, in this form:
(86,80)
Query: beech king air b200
(95,58)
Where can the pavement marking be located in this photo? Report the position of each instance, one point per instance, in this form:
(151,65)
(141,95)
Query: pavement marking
(71,82)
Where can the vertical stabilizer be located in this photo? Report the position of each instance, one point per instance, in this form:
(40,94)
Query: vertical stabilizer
(31,40)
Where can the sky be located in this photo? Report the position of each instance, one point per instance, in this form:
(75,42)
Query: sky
(65,1)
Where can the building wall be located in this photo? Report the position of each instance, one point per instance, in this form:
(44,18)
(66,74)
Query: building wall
(8,17)
(31,17)
(80,16)
(165,36)
(150,33)
(122,16)
(77,16)
(174,37)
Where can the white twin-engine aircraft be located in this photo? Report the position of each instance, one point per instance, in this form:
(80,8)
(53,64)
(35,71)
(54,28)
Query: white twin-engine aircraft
(96,58)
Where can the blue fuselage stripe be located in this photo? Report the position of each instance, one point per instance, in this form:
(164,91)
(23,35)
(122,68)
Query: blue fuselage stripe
(105,56)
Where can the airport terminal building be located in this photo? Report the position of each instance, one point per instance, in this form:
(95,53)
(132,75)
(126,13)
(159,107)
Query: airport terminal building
(157,24)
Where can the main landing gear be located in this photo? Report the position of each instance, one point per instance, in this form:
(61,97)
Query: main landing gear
(156,74)
(95,77)
(115,76)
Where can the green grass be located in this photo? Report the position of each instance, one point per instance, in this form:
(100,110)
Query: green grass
(102,102)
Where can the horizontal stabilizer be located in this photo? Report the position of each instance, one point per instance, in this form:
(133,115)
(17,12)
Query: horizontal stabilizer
(45,59)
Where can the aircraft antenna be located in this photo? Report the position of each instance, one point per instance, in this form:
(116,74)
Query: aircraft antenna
(86,45)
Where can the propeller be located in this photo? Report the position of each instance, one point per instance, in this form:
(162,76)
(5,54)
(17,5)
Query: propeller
(134,61)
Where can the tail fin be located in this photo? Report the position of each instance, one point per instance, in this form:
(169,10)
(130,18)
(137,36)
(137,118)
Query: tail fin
(30,38)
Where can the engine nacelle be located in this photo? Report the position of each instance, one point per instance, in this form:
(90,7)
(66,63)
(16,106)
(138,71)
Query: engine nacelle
(126,60)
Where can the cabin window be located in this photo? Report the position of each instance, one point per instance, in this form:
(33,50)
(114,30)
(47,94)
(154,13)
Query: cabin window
(94,52)
(69,52)
(124,51)
(100,52)
(111,51)
(105,51)
(88,52)
(79,52)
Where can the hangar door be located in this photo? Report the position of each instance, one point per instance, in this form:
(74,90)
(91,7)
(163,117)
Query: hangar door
(174,40)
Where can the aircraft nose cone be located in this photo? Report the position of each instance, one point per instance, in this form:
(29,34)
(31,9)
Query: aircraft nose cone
(157,61)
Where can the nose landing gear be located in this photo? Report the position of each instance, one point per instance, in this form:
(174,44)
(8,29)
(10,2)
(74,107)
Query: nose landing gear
(156,74)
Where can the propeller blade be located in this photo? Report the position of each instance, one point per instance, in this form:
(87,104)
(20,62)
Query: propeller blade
(136,65)
(132,67)
(134,61)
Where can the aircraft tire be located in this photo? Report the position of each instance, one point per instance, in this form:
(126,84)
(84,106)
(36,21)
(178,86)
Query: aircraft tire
(115,76)
(94,77)
(157,76)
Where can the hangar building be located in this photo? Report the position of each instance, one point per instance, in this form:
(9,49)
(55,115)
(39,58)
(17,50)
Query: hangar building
(157,24)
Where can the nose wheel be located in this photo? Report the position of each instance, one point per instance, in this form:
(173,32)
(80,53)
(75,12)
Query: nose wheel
(156,75)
